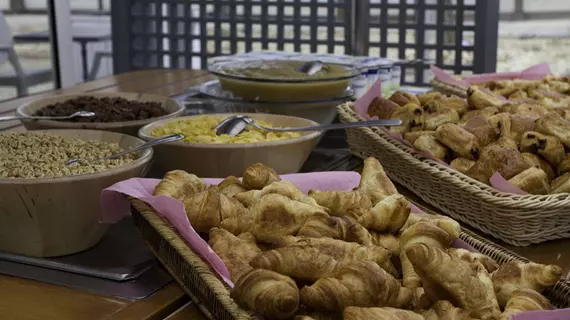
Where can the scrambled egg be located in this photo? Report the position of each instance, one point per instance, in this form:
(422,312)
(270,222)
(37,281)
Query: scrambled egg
(201,129)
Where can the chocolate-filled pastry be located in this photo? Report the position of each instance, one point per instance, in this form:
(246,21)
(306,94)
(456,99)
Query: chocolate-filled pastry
(561,184)
(518,94)
(433,120)
(554,125)
(483,130)
(549,147)
(412,117)
(534,160)
(462,164)
(553,100)
(564,166)
(430,145)
(479,98)
(402,98)
(533,180)
(533,111)
(565,114)
(461,141)
(498,157)
(412,136)
(485,112)
(381,108)
(427,96)
(456,103)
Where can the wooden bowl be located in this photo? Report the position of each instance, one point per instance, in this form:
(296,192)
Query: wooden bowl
(48,217)
(222,160)
(173,107)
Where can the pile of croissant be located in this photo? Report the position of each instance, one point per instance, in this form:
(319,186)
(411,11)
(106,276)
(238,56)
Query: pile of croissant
(524,135)
(349,254)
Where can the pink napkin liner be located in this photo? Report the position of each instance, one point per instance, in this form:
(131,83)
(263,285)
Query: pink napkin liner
(114,207)
(361,107)
(535,72)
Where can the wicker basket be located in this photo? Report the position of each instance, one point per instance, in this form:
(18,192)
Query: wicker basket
(212,296)
(519,220)
(447,88)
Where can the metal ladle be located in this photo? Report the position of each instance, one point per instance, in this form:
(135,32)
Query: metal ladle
(233,125)
(73,115)
(311,67)
(165,139)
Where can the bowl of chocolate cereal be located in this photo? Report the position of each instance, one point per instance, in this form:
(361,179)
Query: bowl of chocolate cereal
(121,112)
(49,208)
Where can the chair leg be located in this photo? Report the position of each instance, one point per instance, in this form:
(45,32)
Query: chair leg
(96,65)
(21,88)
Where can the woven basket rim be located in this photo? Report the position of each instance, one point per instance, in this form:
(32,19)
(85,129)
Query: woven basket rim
(175,240)
(456,177)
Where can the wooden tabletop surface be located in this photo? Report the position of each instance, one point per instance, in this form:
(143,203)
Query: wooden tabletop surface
(30,300)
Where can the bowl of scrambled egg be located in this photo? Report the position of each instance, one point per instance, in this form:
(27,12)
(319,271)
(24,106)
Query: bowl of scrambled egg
(205,154)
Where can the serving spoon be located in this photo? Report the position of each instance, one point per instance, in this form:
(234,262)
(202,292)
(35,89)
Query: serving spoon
(233,125)
(311,67)
(73,115)
(154,142)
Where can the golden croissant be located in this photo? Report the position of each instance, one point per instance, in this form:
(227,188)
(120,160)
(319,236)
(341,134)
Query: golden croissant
(179,184)
(515,275)
(446,277)
(359,283)
(475,257)
(523,300)
(275,216)
(374,183)
(347,251)
(420,232)
(231,186)
(386,313)
(444,310)
(388,215)
(341,202)
(238,224)
(269,293)
(258,176)
(300,262)
(282,187)
(340,228)
(388,241)
(207,209)
(235,252)
(447,224)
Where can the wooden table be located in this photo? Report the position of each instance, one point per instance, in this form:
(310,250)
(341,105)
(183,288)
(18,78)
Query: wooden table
(29,300)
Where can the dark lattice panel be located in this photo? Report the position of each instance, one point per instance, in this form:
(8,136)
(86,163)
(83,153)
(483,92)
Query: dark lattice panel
(185,33)
(459,36)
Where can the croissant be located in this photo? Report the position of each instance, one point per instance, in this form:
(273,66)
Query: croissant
(447,224)
(533,180)
(305,263)
(515,275)
(388,241)
(461,141)
(446,277)
(275,215)
(444,310)
(554,125)
(549,147)
(207,209)
(269,293)
(345,251)
(475,257)
(524,300)
(235,252)
(231,186)
(179,185)
(386,313)
(374,183)
(534,160)
(258,176)
(282,187)
(420,232)
(239,224)
(340,228)
(341,202)
(388,215)
(360,283)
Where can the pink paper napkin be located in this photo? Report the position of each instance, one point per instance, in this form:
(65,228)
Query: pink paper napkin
(536,72)
(559,314)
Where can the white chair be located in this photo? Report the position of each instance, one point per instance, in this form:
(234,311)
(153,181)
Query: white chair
(18,77)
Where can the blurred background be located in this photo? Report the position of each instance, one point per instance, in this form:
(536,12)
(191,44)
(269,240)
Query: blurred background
(529,32)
